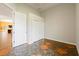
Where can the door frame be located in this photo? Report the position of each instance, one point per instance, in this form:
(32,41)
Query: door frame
(13,42)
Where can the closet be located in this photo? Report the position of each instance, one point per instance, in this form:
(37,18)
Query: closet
(35,28)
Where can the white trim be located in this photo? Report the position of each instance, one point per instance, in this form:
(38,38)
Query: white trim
(61,41)
(5,18)
(12,8)
(9,6)
(55,40)
(30,42)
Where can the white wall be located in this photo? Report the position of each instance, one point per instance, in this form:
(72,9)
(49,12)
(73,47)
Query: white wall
(77,27)
(60,23)
(23,8)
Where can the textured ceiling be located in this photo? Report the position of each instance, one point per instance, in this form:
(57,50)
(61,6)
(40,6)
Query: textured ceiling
(42,6)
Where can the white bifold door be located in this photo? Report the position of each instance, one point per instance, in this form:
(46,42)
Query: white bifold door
(20,30)
(35,28)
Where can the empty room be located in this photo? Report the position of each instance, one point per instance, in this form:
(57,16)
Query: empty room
(39,29)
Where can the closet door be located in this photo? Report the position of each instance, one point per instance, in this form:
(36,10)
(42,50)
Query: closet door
(35,31)
(35,28)
(20,35)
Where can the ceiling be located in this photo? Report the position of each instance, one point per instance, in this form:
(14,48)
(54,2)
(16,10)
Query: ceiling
(42,6)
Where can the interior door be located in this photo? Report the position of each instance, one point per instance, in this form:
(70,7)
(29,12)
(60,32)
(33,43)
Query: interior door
(20,35)
(36,29)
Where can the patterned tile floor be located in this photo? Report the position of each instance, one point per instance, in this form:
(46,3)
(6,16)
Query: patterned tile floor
(45,47)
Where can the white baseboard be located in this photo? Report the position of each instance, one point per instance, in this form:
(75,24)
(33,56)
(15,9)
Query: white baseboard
(62,41)
(30,42)
(55,40)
